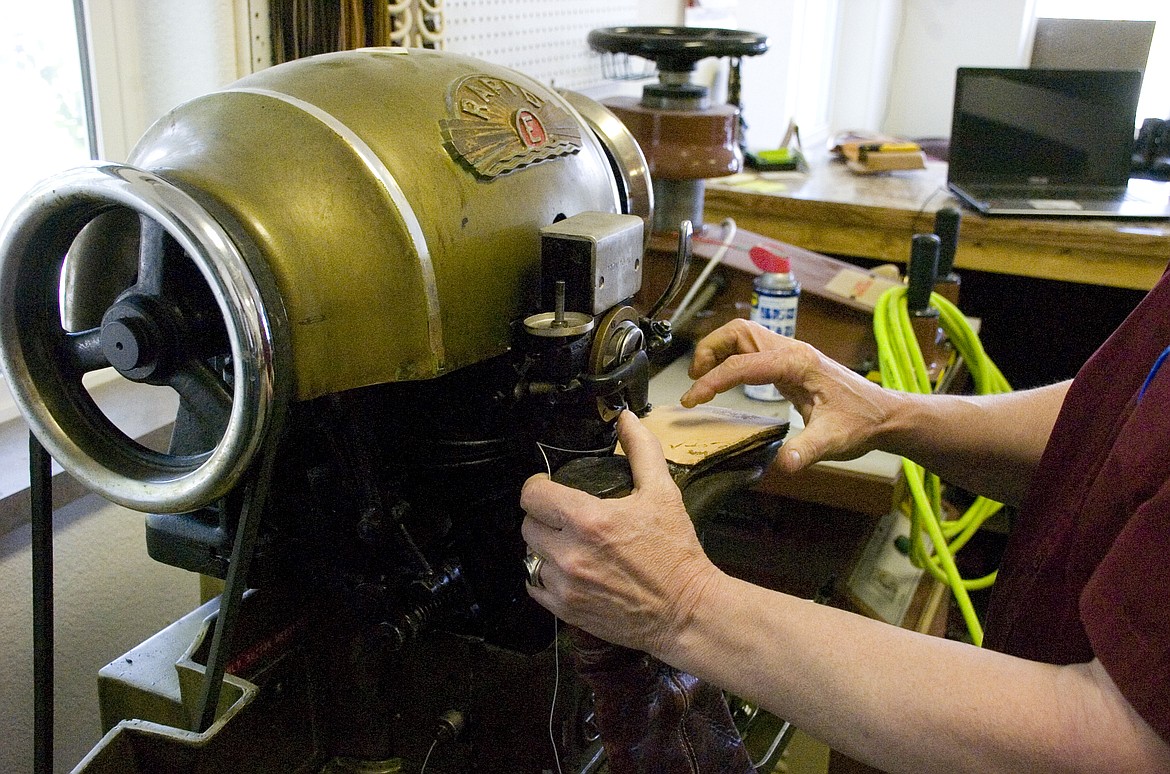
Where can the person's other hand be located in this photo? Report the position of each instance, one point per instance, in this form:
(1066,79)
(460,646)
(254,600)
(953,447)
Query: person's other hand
(843,411)
(629,570)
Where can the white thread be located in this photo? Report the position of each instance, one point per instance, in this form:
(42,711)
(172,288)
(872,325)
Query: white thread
(581,452)
(552,738)
(431,26)
(427,759)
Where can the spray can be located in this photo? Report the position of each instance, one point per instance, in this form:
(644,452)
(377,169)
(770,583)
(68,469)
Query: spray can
(775,294)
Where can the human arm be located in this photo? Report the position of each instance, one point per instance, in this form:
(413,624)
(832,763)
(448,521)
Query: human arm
(903,701)
(631,571)
(987,444)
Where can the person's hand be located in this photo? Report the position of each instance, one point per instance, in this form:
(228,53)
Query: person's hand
(629,570)
(844,413)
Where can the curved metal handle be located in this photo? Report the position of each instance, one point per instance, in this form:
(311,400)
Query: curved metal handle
(682,265)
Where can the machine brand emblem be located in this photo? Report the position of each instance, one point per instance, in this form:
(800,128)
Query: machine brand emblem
(497,126)
(530,129)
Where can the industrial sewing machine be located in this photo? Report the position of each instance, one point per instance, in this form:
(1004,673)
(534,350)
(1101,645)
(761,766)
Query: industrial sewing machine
(387,287)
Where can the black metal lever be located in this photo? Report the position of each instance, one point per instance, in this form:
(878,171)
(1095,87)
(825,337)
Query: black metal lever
(946,228)
(40,474)
(922,271)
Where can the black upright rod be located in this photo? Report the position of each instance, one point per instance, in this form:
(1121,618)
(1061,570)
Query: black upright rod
(236,582)
(946,228)
(40,474)
(921,272)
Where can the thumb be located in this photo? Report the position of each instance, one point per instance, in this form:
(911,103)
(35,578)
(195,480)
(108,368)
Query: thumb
(803,450)
(647,463)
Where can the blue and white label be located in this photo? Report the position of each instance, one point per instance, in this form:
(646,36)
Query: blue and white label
(776,311)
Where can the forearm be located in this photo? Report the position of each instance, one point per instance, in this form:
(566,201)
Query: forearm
(899,700)
(987,444)
(631,570)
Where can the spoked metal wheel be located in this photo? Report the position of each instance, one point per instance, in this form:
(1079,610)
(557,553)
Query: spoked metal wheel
(191,313)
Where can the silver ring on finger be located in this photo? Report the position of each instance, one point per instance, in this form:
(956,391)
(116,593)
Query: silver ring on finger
(533,563)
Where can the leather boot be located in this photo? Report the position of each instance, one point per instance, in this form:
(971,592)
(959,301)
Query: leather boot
(654,718)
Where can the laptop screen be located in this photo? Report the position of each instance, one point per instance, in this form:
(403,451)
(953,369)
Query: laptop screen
(1043,127)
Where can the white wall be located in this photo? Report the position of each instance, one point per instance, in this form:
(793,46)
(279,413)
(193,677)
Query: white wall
(768,93)
(878,65)
(793,79)
(110,596)
(893,68)
(937,36)
(669,12)
(867,38)
(150,55)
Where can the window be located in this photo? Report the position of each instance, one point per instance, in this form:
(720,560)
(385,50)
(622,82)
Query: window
(40,71)
(41,82)
(146,58)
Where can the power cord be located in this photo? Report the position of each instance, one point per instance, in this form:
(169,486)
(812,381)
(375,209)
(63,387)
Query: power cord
(903,368)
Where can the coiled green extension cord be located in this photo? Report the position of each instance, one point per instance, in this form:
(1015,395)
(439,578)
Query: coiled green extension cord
(903,368)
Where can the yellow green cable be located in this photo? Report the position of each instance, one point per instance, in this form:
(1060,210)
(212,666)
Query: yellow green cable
(903,368)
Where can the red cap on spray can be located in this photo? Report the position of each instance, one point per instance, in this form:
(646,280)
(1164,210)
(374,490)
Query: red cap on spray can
(768,261)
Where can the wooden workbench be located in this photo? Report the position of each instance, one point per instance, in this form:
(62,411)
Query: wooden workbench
(831,210)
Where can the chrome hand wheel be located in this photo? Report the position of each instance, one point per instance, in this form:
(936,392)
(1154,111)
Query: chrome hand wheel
(191,310)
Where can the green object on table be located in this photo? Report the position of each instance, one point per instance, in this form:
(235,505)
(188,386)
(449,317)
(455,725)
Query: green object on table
(775,160)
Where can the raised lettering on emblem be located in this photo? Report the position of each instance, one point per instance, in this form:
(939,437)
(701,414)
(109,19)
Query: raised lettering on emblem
(530,129)
(495,126)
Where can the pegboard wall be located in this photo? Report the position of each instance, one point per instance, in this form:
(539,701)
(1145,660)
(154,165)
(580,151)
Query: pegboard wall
(544,39)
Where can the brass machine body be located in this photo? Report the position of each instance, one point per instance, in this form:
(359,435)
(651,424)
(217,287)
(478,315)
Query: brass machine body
(416,265)
(344,266)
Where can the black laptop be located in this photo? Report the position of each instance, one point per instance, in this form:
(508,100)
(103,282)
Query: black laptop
(1049,142)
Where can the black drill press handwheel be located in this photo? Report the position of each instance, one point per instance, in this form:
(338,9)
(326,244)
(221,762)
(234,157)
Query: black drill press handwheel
(677,49)
(196,316)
